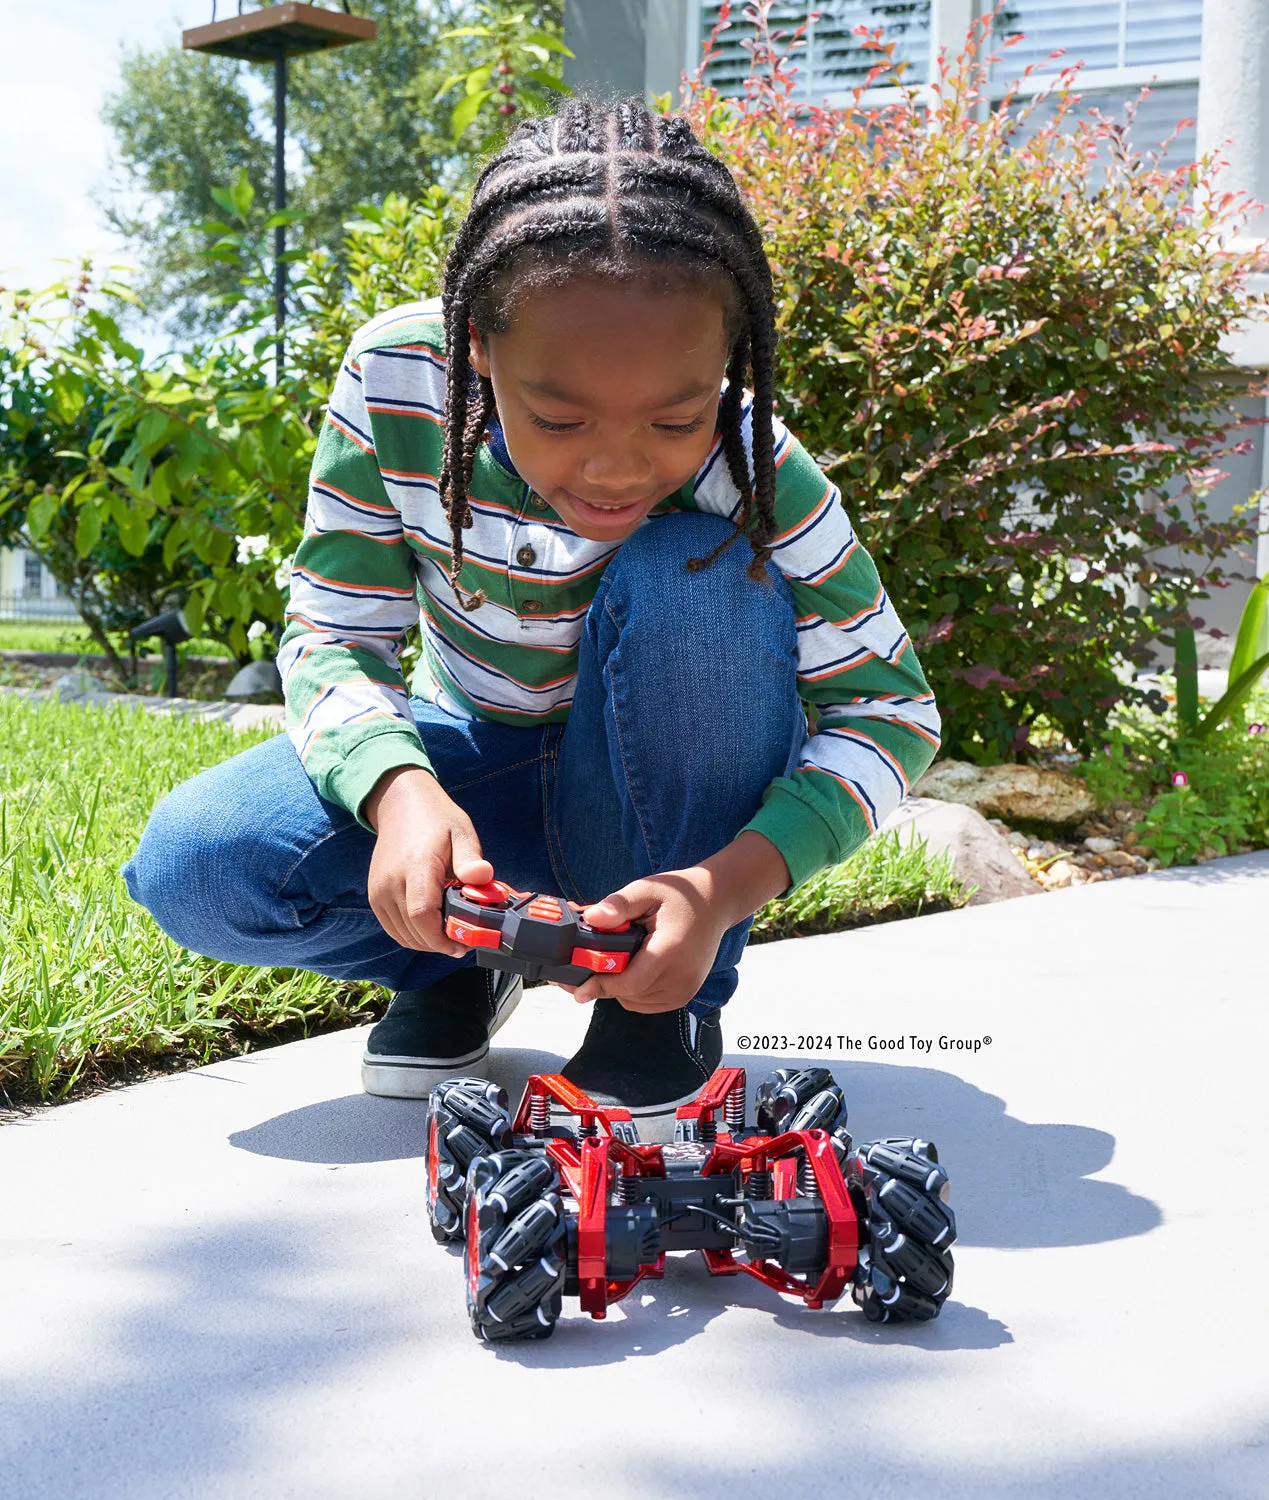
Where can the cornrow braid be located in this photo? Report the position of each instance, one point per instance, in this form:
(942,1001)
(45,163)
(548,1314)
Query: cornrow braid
(617,193)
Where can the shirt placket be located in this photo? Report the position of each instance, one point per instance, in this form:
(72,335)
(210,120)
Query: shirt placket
(527,597)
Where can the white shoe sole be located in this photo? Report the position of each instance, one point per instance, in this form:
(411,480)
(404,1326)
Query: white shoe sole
(415,1077)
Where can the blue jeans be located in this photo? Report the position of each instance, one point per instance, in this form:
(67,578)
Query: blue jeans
(686,709)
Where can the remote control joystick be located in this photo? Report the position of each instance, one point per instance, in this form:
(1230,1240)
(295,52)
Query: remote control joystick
(540,937)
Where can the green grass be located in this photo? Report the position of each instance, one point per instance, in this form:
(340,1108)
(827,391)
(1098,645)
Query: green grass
(887,879)
(90,989)
(69,638)
(45,635)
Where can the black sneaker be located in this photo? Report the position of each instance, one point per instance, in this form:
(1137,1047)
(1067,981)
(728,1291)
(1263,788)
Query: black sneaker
(429,1034)
(650,1064)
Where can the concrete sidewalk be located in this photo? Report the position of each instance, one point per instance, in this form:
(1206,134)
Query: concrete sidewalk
(221,1284)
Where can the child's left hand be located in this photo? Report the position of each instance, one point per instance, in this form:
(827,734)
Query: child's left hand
(686,913)
(684,931)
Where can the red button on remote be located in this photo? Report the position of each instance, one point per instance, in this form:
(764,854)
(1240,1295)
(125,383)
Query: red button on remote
(493,894)
(598,961)
(473,936)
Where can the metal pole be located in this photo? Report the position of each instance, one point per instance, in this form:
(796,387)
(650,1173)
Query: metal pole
(279,204)
(169,666)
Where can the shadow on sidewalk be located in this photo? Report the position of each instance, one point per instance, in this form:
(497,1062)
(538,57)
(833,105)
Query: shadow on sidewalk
(359,1128)
(1015,1185)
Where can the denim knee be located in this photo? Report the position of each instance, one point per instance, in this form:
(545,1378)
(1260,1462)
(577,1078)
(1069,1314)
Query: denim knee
(713,630)
(195,872)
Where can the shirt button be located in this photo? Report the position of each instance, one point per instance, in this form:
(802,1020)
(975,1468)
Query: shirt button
(538,503)
(526,557)
(533,606)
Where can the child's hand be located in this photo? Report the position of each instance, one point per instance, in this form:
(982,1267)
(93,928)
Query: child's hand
(685,928)
(424,840)
(686,913)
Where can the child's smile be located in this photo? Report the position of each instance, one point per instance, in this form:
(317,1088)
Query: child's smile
(608,396)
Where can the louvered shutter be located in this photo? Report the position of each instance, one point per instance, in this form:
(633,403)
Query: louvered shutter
(1100,33)
(832,59)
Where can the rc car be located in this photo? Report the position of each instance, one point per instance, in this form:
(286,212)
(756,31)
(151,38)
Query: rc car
(550,1210)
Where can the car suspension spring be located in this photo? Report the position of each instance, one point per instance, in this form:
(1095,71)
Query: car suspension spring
(539,1114)
(707,1131)
(588,1128)
(734,1108)
(758,1184)
(807,1184)
(628,1188)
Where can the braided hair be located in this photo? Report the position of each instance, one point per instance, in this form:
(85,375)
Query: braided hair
(621,194)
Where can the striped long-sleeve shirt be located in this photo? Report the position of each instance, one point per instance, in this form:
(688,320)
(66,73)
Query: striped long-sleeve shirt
(373,563)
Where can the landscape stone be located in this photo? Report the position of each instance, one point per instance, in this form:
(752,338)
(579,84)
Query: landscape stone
(980,856)
(1061,872)
(72,687)
(1010,792)
(1120,859)
(258,682)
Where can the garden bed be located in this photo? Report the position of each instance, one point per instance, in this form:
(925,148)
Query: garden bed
(201,677)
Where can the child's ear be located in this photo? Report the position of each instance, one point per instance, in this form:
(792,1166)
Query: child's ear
(479,356)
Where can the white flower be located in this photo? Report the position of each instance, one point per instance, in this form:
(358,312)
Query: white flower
(251,547)
(256,630)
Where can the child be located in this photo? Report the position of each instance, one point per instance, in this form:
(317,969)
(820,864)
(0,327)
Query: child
(628,586)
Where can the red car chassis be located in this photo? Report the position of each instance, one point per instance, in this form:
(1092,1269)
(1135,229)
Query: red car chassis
(589,1210)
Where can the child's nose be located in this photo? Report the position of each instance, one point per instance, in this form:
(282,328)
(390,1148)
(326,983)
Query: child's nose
(617,470)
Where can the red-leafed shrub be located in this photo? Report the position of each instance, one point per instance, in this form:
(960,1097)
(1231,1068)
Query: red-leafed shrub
(1011,365)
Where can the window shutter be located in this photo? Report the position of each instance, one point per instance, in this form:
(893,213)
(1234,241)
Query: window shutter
(832,60)
(1100,33)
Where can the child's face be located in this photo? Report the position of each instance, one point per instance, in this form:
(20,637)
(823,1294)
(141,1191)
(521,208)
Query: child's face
(608,396)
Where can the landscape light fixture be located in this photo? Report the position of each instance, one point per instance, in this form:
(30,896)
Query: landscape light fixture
(171,629)
(273,34)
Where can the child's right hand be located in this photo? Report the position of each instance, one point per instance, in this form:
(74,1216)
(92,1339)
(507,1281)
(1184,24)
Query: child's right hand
(424,840)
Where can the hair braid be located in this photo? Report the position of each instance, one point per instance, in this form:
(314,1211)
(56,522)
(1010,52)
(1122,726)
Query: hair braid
(620,193)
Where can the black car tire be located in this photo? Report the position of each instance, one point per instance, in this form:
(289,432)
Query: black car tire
(517,1246)
(799,1099)
(905,1267)
(466,1118)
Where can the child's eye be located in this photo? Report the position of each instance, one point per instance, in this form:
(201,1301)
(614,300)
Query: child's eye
(553,426)
(681,429)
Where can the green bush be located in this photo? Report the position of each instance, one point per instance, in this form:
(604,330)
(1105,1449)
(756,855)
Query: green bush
(182,479)
(1203,793)
(1007,366)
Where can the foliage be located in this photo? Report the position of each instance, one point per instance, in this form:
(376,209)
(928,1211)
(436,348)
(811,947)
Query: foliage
(363,119)
(1247,665)
(1182,824)
(114,577)
(88,983)
(1252,640)
(394,253)
(1202,792)
(1010,369)
(517,69)
(183,479)
(886,879)
(197,456)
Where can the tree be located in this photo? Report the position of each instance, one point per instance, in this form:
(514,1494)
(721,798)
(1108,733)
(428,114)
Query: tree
(365,120)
